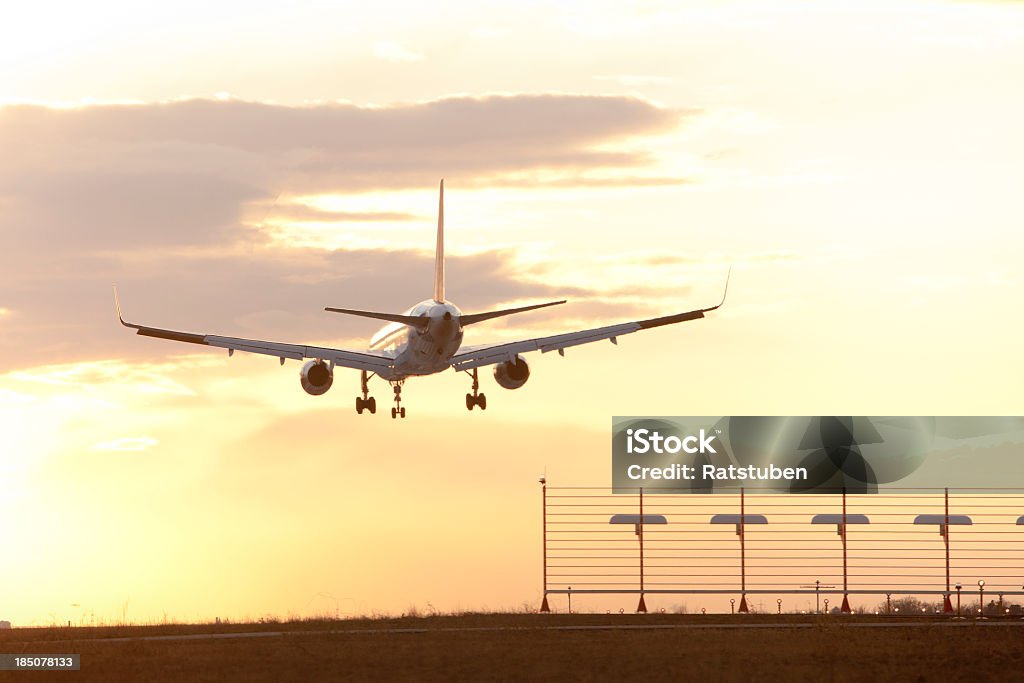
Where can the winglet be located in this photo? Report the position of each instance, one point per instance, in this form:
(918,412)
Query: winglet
(724,293)
(439,249)
(117,306)
(726,290)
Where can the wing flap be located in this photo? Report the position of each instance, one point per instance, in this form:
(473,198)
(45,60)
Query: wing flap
(350,359)
(499,353)
(292,351)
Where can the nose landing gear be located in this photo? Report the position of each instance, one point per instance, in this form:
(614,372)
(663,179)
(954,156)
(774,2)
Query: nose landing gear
(475,399)
(398,410)
(365,402)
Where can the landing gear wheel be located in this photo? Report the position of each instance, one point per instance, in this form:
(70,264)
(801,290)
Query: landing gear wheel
(475,399)
(365,402)
(398,410)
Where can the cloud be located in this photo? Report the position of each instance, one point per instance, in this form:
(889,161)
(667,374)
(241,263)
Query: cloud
(142,378)
(711,259)
(276,294)
(214,136)
(181,173)
(304,212)
(160,199)
(395,52)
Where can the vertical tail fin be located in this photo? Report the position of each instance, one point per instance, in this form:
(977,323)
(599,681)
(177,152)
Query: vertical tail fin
(439,252)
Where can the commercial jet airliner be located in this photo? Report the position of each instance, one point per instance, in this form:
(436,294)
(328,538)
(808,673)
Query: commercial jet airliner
(424,340)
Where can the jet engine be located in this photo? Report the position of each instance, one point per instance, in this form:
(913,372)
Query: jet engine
(512,374)
(316,377)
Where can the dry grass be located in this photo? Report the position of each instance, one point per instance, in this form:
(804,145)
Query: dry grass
(831,650)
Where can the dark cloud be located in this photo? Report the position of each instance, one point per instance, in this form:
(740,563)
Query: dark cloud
(74,211)
(182,173)
(334,146)
(155,197)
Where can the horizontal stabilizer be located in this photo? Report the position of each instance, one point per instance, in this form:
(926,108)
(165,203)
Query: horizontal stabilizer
(411,320)
(480,317)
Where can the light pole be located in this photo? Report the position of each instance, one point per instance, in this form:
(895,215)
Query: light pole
(842,523)
(544,607)
(732,605)
(981,598)
(958,587)
(779,602)
(638,522)
(944,522)
(741,521)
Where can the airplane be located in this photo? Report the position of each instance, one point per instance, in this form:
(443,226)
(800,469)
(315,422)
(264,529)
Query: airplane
(424,340)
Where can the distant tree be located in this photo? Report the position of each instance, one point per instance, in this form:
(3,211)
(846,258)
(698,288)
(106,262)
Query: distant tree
(910,605)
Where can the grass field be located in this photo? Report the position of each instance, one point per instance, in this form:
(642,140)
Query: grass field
(542,647)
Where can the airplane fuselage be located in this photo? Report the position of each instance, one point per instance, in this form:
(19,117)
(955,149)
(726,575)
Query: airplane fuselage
(426,351)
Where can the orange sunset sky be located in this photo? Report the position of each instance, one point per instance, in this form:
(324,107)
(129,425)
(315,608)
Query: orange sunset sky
(235,168)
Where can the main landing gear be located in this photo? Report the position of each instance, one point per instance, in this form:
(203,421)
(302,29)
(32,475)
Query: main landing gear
(475,399)
(366,402)
(398,410)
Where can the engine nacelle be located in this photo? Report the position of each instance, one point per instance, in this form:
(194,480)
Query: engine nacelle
(316,377)
(512,374)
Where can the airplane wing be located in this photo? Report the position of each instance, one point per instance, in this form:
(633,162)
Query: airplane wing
(359,360)
(477,356)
